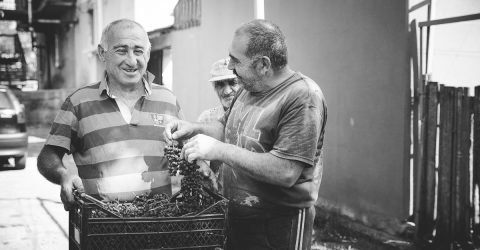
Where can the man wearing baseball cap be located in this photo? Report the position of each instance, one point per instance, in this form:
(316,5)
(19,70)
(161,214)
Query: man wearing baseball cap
(225,85)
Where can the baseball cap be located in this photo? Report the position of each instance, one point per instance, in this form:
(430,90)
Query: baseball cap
(220,71)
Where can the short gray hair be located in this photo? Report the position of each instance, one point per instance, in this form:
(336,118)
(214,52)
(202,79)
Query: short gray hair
(128,22)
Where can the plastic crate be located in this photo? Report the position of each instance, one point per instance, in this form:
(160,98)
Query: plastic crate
(206,230)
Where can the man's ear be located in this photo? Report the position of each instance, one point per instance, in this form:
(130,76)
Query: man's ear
(101,53)
(263,65)
(147,55)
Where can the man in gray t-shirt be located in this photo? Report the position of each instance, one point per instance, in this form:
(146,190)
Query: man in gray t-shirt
(270,142)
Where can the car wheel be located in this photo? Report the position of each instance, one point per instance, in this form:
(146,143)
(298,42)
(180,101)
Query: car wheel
(20,162)
(3,161)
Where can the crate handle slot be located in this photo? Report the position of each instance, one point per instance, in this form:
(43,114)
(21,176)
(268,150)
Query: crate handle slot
(99,204)
(210,192)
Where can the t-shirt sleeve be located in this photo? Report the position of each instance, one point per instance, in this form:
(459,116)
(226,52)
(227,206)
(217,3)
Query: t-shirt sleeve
(203,117)
(63,132)
(180,114)
(299,131)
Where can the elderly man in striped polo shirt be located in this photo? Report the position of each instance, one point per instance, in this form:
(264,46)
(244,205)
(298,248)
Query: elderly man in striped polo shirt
(114,127)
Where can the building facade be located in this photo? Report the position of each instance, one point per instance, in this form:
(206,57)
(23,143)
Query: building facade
(357,51)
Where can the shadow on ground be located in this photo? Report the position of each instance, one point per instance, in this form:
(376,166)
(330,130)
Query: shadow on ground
(333,233)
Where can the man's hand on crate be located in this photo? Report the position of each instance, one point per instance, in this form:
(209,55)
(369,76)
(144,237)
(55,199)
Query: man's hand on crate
(68,184)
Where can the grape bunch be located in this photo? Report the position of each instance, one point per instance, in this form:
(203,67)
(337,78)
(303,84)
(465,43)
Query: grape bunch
(193,192)
(158,205)
(177,165)
(172,153)
(193,195)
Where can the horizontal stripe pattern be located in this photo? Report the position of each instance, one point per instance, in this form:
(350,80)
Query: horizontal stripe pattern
(115,158)
(62,130)
(111,135)
(94,107)
(87,94)
(60,141)
(119,150)
(162,107)
(99,122)
(126,183)
(116,167)
(159,92)
(88,101)
(106,120)
(63,136)
(66,117)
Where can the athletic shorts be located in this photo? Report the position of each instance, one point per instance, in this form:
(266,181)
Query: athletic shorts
(279,229)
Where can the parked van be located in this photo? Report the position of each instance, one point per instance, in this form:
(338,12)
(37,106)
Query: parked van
(13,132)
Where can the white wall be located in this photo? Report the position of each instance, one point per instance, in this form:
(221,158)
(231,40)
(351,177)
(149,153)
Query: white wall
(194,50)
(357,51)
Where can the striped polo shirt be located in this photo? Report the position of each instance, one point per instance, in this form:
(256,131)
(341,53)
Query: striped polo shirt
(117,159)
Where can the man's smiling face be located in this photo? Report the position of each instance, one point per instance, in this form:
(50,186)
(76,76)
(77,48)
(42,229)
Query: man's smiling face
(242,66)
(226,91)
(127,55)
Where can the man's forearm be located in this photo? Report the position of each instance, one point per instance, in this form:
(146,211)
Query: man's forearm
(213,129)
(263,167)
(50,165)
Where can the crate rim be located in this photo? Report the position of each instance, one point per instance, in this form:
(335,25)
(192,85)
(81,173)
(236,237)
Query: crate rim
(156,219)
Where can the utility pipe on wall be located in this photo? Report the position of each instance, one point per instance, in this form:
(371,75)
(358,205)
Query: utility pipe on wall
(259,9)
(29,13)
(99,26)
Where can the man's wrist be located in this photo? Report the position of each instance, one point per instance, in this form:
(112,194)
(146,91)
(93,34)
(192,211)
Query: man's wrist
(223,152)
(64,176)
(198,128)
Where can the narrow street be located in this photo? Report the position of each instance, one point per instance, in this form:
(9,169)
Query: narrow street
(31,214)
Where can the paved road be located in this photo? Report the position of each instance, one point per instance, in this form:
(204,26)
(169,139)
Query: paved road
(31,214)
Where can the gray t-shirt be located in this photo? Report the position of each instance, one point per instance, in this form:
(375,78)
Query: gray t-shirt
(287,121)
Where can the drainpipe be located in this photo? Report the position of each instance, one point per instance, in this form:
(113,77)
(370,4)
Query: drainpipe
(98,33)
(99,26)
(259,9)
(29,13)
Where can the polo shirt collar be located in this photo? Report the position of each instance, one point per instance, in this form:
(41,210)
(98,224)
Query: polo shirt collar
(147,80)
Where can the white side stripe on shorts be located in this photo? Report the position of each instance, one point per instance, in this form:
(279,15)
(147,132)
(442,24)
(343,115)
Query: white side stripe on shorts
(300,227)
